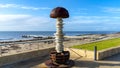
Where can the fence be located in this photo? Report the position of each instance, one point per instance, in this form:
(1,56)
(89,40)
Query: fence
(21,47)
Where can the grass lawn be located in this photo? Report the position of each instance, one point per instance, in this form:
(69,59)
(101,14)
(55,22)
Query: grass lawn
(100,45)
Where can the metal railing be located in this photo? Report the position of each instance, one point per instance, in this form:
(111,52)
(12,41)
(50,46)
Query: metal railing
(21,47)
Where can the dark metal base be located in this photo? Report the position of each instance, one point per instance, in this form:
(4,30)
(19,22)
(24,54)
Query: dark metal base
(50,64)
(59,58)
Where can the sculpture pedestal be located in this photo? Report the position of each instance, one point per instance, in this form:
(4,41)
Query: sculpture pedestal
(59,60)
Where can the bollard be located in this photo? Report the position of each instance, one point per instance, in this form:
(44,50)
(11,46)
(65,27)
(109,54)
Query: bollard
(0,50)
(30,44)
(95,53)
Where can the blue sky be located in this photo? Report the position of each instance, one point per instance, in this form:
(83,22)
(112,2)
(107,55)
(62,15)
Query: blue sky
(85,15)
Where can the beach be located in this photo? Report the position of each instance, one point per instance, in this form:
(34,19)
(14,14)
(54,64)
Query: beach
(21,46)
(34,45)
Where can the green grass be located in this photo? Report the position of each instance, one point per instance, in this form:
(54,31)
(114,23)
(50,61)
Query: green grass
(100,45)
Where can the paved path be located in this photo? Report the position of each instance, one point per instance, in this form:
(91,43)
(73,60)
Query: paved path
(111,62)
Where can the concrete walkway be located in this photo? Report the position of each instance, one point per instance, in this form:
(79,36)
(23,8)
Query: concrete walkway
(111,62)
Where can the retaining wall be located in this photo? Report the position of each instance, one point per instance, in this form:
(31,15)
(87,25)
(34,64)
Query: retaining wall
(90,54)
(24,56)
(108,52)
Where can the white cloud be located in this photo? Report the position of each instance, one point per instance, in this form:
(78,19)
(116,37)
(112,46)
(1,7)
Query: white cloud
(33,8)
(28,22)
(8,5)
(111,9)
(93,23)
(90,19)
(22,7)
(7,18)
(25,22)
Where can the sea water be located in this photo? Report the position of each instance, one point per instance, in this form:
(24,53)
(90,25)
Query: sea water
(10,35)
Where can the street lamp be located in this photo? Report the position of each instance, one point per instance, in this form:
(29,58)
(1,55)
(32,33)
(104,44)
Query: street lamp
(59,57)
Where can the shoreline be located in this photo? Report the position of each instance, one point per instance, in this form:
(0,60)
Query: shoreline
(19,46)
(41,37)
(19,35)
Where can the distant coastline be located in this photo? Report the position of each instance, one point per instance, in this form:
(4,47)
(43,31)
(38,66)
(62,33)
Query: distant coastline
(17,35)
(43,42)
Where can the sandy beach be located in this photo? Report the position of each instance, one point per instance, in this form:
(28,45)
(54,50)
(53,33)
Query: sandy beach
(9,48)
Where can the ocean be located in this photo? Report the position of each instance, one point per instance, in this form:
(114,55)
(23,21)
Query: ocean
(13,35)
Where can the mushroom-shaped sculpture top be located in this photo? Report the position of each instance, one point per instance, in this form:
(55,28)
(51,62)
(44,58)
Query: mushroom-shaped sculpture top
(59,12)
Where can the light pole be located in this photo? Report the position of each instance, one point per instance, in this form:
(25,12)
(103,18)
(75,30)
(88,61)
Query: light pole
(59,56)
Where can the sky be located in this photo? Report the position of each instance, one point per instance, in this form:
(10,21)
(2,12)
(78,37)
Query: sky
(85,15)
